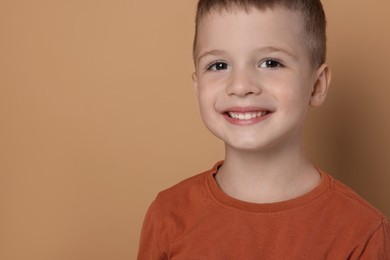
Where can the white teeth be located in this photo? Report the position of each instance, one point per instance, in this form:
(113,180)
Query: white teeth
(246,116)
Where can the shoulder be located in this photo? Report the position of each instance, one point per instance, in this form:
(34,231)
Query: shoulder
(185,197)
(168,215)
(354,202)
(179,207)
(194,187)
(366,222)
(348,211)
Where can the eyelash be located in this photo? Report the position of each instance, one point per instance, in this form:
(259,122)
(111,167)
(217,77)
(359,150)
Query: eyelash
(277,64)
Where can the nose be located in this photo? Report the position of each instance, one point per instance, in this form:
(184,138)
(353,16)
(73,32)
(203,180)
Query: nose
(242,83)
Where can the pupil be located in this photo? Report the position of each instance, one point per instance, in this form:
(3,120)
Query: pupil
(271,63)
(220,66)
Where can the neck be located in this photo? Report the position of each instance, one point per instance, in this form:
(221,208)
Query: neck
(266,177)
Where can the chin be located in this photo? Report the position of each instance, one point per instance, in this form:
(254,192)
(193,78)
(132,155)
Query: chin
(246,146)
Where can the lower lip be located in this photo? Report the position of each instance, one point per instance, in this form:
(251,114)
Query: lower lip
(247,122)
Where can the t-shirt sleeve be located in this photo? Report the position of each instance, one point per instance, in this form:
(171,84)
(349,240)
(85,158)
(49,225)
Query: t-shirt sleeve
(378,246)
(150,241)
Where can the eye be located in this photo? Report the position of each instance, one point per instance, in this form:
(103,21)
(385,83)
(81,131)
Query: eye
(218,66)
(270,64)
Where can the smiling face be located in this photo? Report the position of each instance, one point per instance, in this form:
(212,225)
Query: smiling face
(254,79)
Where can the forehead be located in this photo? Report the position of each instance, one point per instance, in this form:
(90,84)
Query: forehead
(239,29)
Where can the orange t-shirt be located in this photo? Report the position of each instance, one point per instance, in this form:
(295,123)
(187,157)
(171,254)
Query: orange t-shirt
(196,220)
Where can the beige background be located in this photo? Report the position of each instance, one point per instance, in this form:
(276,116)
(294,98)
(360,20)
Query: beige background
(97,114)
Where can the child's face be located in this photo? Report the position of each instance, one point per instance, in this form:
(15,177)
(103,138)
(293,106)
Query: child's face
(254,78)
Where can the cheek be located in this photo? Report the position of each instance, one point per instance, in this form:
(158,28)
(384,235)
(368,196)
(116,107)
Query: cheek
(207,94)
(292,92)
(206,102)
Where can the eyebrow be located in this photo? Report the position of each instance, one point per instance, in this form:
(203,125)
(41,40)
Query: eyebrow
(276,49)
(266,49)
(212,52)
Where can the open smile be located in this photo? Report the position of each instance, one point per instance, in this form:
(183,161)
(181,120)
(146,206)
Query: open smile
(246,117)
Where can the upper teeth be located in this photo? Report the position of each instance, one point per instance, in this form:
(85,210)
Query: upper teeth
(247,115)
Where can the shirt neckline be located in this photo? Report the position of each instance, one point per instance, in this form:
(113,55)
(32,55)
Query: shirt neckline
(283,206)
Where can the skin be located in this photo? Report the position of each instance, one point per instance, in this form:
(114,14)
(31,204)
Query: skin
(252,63)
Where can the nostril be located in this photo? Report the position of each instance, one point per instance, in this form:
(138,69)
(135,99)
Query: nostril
(243,87)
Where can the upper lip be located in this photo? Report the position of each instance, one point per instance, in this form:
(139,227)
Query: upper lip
(246,109)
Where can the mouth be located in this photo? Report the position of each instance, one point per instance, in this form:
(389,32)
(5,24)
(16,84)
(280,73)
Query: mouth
(246,115)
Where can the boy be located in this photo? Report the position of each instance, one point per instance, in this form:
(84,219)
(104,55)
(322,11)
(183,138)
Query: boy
(259,66)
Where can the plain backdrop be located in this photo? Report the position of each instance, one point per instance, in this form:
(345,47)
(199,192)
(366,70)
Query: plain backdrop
(98,114)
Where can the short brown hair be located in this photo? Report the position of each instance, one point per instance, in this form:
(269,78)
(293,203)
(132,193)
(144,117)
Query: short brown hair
(312,12)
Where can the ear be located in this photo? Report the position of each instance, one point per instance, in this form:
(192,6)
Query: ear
(195,82)
(321,86)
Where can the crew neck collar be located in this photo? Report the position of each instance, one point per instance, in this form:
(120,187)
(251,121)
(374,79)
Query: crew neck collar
(277,207)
